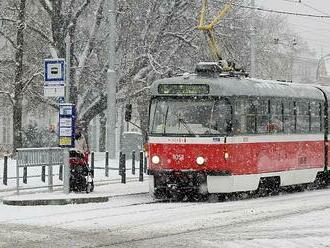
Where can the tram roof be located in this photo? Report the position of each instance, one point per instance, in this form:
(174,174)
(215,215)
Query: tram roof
(233,86)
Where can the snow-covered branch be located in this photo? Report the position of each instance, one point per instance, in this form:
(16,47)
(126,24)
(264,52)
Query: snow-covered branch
(90,43)
(80,10)
(182,38)
(9,39)
(41,33)
(6,19)
(10,96)
(30,80)
(47,5)
(43,99)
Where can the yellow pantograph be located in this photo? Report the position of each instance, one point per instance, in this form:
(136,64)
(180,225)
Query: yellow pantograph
(208,29)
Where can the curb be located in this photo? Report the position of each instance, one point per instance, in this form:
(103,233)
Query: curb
(38,202)
(64,201)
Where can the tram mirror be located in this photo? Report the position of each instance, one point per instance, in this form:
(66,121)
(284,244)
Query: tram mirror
(128,112)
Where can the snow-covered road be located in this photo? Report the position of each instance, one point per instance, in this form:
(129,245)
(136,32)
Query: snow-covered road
(292,220)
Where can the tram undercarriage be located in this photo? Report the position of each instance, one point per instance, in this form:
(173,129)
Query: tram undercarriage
(192,185)
(178,184)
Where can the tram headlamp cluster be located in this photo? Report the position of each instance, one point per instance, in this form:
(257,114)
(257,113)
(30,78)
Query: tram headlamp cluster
(155,159)
(200,160)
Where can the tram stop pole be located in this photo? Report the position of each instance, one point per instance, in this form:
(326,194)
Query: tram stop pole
(66,172)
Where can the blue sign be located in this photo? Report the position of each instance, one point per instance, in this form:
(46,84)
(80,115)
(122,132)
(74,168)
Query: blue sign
(54,76)
(67,119)
(54,71)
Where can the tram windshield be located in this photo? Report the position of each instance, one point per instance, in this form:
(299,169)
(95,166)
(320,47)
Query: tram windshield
(189,116)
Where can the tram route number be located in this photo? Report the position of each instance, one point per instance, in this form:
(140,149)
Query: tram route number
(178,157)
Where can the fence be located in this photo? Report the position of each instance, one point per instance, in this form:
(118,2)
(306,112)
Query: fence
(122,168)
(42,158)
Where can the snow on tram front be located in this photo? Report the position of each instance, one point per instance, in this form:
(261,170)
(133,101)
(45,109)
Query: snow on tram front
(222,133)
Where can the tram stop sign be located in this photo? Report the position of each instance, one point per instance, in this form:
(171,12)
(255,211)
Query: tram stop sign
(54,72)
(67,118)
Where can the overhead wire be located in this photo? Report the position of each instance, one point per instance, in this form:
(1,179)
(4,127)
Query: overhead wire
(280,12)
(313,8)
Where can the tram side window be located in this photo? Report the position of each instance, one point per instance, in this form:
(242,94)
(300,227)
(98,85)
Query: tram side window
(289,118)
(251,116)
(222,117)
(276,117)
(239,117)
(262,116)
(316,116)
(302,117)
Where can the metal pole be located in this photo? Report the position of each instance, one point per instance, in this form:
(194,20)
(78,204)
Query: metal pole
(123,168)
(43,173)
(50,172)
(25,175)
(92,163)
(60,173)
(112,81)
(17,172)
(141,167)
(252,35)
(67,69)
(145,164)
(133,162)
(5,170)
(66,178)
(66,151)
(119,169)
(107,164)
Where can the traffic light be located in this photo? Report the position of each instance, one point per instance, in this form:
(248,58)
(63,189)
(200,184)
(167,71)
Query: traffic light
(128,112)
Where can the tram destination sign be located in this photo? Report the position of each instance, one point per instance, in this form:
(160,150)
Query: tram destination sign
(184,89)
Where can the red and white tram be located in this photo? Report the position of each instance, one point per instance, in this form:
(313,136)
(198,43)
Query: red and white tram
(221,133)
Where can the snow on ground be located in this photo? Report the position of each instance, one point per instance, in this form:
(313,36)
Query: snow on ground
(292,220)
(288,220)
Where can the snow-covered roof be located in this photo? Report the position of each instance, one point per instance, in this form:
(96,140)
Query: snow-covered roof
(233,86)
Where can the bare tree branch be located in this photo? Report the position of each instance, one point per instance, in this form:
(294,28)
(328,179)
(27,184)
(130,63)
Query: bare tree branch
(10,96)
(41,33)
(91,41)
(182,38)
(30,80)
(42,99)
(80,10)
(5,19)
(38,31)
(47,6)
(9,39)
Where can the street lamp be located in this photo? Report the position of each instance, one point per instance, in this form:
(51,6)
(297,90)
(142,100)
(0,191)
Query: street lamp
(319,64)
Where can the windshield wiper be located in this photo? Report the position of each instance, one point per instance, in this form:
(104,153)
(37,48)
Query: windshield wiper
(184,123)
(164,130)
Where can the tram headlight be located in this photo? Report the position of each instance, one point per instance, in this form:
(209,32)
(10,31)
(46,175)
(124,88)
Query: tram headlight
(200,160)
(155,159)
(226,155)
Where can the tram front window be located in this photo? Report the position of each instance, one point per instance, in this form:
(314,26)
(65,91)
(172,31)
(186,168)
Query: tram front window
(186,116)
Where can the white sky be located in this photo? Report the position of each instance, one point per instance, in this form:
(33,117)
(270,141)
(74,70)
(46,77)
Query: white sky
(315,31)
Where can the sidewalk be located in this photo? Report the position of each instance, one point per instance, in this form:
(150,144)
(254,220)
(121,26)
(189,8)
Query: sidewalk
(105,187)
(100,194)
